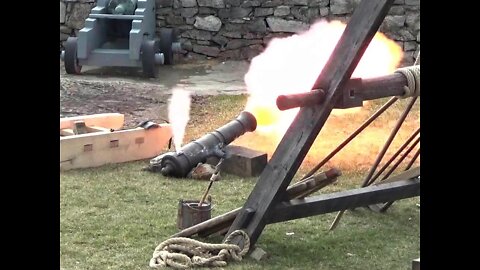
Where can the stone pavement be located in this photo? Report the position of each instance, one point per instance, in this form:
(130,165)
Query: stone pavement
(207,77)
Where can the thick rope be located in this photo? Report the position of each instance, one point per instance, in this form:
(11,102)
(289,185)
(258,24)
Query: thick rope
(413,78)
(412,74)
(184,253)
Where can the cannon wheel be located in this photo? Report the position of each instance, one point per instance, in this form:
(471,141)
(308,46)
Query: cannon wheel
(147,51)
(71,60)
(167,37)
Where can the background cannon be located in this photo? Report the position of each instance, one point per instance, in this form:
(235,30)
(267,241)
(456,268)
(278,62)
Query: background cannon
(179,164)
(121,33)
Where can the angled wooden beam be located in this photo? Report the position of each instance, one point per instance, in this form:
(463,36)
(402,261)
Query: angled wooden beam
(301,134)
(342,200)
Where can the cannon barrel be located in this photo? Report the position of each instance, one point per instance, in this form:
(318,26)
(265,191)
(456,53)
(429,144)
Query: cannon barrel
(179,164)
(122,7)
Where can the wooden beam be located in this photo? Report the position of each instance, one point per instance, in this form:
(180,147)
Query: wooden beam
(384,86)
(106,120)
(405,175)
(66,132)
(411,173)
(97,129)
(343,200)
(298,139)
(99,148)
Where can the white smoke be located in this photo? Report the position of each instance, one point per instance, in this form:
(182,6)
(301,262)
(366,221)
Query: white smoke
(179,114)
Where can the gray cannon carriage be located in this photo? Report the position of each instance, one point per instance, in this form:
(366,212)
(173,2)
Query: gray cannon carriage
(121,33)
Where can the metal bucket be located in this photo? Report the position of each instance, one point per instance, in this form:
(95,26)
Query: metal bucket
(190,213)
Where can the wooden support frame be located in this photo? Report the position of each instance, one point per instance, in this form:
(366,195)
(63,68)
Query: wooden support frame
(272,183)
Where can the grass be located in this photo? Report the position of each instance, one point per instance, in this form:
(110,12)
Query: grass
(114,216)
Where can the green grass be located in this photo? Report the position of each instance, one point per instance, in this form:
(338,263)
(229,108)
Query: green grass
(114,216)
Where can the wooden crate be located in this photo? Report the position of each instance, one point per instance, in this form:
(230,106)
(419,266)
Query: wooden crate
(102,143)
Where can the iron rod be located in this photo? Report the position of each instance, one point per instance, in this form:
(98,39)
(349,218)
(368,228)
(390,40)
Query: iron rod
(381,154)
(394,156)
(392,169)
(351,137)
(389,140)
(414,158)
(410,164)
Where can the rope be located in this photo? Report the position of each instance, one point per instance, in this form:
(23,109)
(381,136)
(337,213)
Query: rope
(412,74)
(413,78)
(184,253)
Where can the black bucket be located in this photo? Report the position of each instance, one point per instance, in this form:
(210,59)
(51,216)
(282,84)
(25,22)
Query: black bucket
(190,213)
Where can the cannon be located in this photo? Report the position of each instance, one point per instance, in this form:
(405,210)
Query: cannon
(121,33)
(180,163)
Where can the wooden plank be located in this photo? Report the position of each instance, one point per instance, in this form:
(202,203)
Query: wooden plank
(343,200)
(66,132)
(70,132)
(411,173)
(98,129)
(301,134)
(106,120)
(384,86)
(218,229)
(408,174)
(96,149)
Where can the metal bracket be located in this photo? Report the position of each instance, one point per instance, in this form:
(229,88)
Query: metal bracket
(349,97)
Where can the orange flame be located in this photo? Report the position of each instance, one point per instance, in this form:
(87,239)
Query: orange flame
(292,64)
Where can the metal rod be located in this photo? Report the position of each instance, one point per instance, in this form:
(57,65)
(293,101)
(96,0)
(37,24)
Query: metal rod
(205,194)
(380,155)
(410,164)
(389,140)
(213,178)
(392,169)
(351,137)
(385,166)
(414,158)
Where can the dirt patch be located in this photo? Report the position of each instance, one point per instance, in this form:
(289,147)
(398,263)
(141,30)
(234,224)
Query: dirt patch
(138,102)
(127,91)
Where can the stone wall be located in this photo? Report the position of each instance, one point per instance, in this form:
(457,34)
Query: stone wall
(236,29)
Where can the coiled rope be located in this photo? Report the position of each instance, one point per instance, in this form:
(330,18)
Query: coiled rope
(184,253)
(412,74)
